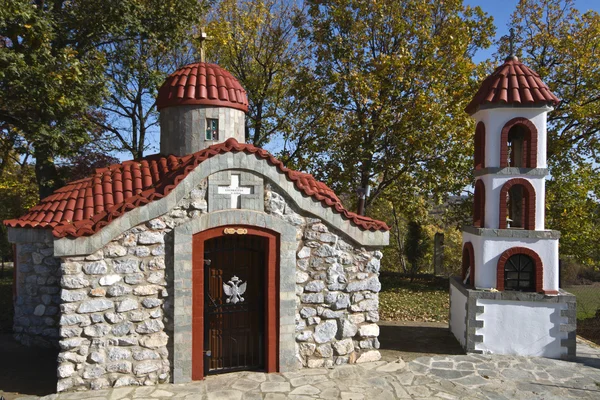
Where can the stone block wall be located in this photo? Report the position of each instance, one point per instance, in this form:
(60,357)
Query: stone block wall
(38,294)
(116,323)
(117,305)
(337,286)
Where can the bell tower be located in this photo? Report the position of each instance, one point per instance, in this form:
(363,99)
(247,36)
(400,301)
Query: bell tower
(509,286)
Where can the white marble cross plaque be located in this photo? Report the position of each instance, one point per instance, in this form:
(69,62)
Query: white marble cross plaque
(235,191)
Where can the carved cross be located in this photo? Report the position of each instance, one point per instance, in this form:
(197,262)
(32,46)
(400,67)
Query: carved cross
(235,191)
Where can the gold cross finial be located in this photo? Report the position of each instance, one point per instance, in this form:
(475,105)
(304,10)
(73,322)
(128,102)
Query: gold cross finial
(202,38)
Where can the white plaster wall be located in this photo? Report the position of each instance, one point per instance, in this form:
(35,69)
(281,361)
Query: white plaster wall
(495,119)
(493,186)
(521,328)
(489,249)
(458,312)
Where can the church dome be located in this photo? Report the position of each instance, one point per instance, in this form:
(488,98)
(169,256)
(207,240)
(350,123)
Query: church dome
(202,84)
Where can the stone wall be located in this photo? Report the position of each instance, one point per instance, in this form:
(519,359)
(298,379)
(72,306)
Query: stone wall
(38,294)
(116,320)
(337,286)
(116,325)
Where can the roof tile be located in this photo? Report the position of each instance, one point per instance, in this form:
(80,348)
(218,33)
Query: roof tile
(512,83)
(202,84)
(83,207)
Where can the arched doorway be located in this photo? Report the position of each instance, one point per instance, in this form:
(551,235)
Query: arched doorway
(235,301)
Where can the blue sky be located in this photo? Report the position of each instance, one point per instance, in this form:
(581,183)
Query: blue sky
(501,11)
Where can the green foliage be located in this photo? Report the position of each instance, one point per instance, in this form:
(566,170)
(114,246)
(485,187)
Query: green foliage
(256,40)
(416,246)
(396,76)
(53,60)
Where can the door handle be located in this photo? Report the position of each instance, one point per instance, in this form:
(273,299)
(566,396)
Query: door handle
(208,353)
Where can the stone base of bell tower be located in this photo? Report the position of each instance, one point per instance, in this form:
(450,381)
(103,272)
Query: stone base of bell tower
(513,323)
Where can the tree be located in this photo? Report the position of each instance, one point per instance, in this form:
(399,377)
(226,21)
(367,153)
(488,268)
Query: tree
(396,77)
(256,40)
(137,66)
(47,85)
(53,60)
(563,46)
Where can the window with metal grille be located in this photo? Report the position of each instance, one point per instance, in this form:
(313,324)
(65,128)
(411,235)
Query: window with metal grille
(212,129)
(519,273)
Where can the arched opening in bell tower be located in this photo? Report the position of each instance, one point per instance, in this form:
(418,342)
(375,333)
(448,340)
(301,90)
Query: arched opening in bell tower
(517,205)
(518,146)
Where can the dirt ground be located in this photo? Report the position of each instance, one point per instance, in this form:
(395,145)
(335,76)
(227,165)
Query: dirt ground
(30,371)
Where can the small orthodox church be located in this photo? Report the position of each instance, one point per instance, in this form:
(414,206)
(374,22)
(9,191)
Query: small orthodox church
(212,256)
(508,300)
(209,257)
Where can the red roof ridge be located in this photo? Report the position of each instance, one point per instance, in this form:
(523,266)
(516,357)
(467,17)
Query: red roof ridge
(512,83)
(85,206)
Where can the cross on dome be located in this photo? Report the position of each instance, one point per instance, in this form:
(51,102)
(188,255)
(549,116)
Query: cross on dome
(202,38)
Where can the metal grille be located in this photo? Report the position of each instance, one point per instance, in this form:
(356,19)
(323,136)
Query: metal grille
(519,273)
(234,329)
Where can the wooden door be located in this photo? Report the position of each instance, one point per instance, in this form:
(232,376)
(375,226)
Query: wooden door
(240,334)
(234,303)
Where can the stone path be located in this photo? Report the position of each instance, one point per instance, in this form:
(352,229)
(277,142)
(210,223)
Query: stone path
(438,377)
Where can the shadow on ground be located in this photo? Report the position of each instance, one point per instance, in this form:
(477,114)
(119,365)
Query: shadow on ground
(412,340)
(26,370)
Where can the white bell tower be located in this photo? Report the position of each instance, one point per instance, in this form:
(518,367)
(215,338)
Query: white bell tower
(509,289)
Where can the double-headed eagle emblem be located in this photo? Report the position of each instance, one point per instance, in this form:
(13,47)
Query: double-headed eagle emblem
(234,289)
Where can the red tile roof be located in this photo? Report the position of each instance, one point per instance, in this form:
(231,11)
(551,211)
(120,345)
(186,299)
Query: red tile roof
(203,84)
(512,83)
(83,207)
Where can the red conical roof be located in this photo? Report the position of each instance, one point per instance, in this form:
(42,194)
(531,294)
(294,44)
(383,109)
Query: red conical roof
(202,84)
(512,83)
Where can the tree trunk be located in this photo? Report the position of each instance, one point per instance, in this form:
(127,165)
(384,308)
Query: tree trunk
(45,171)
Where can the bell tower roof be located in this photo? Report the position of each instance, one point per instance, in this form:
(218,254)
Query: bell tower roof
(512,83)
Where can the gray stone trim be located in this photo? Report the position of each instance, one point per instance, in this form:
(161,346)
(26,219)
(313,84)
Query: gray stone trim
(474,310)
(512,233)
(570,327)
(531,172)
(223,162)
(29,235)
(182,265)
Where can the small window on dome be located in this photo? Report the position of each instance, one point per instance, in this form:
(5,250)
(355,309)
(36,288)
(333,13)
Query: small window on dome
(212,129)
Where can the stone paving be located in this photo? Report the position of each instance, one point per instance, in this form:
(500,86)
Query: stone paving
(439,377)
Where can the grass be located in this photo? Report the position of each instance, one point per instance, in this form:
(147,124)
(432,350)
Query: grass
(588,299)
(6,300)
(425,299)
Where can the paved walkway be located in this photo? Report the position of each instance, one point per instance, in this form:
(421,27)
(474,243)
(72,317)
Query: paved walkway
(437,377)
